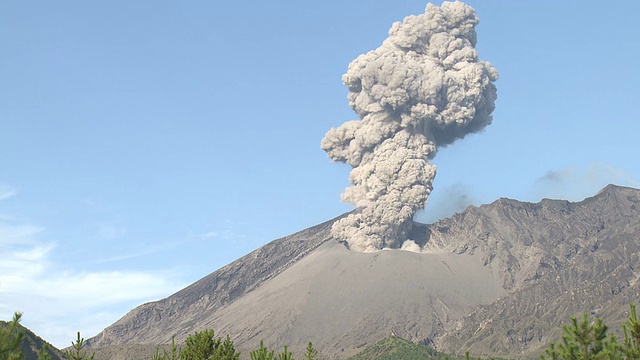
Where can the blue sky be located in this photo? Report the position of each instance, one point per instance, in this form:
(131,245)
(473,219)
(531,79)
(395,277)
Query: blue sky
(145,144)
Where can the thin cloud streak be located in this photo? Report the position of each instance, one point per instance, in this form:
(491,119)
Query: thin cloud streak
(129,256)
(18,234)
(49,294)
(7,192)
(574,183)
(209,234)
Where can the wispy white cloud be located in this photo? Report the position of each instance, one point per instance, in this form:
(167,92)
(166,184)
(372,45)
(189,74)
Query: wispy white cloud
(229,234)
(7,191)
(17,233)
(228,230)
(575,183)
(22,263)
(33,283)
(110,232)
(129,256)
(209,234)
(58,299)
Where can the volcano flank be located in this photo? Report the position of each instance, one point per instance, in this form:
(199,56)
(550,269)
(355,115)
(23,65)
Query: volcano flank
(496,280)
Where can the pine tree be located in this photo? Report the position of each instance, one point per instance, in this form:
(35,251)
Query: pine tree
(582,340)
(632,335)
(200,346)
(585,340)
(285,354)
(311,353)
(262,353)
(551,352)
(77,353)
(226,351)
(173,355)
(43,353)
(10,339)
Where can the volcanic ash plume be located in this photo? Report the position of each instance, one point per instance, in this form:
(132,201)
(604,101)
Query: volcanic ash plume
(423,88)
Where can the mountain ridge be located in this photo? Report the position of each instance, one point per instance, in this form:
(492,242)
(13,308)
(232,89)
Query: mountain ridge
(518,255)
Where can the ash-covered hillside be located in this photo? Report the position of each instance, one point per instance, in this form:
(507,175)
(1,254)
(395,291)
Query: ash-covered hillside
(498,279)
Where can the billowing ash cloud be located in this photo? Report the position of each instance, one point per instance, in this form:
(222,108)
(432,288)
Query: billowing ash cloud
(422,89)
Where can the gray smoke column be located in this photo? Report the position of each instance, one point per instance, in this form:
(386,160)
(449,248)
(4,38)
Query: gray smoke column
(422,89)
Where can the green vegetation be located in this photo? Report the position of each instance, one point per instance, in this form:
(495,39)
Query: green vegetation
(173,355)
(76,352)
(583,339)
(205,346)
(631,329)
(285,354)
(262,353)
(18,342)
(11,339)
(201,345)
(586,340)
(312,353)
(398,348)
(43,353)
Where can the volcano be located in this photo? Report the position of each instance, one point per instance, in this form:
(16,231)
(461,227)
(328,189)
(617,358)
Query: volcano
(496,280)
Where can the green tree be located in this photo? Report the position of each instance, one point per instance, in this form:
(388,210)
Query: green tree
(200,346)
(551,352)
(262,353)
(11,338)
(173,355)
(632,335)
(205,346)
(76,352)
(227,351)
(43,353)
(584,340)
(311,353)
(285,354)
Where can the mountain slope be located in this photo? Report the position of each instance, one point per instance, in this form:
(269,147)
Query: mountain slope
(493,279)
(343,301)
(156,322)
(568,258)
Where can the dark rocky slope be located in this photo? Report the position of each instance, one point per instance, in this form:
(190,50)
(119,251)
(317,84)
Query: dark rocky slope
(558,259)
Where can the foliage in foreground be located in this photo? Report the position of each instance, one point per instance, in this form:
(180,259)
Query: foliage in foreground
(263,353)
(18,342)
(201,345)
(10,339)
(586,340)
(77,352)
(43,353)
(172,355)
(399,348)
(204,345)
(311,353)
(582,340)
